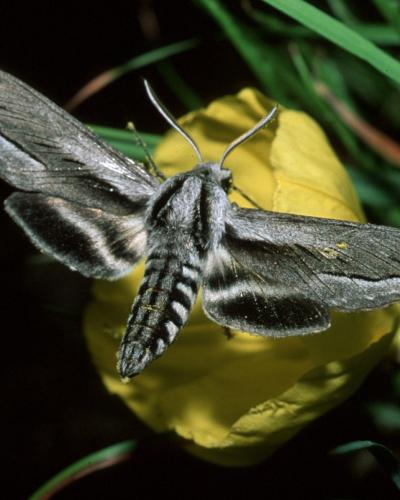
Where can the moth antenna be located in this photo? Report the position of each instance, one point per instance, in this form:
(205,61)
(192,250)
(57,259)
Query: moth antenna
(170,119)
(153,167)
(247,135)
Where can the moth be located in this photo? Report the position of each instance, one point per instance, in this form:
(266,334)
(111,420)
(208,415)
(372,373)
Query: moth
(99,212)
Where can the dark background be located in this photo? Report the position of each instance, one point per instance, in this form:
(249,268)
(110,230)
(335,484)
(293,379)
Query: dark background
(55,408)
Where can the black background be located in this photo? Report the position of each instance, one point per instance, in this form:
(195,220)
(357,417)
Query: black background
(56,410)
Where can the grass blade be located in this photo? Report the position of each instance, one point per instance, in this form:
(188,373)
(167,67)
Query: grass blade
(252,49)
(390,10)
(342,11)
(372,189)
(383,456)
(380,34)
(179,87)
(376,140)
(338,33)
(385,415)
(124,141)
(95,461)
(107,77)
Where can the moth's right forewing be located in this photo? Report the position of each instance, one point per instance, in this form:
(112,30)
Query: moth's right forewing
(89,240)
(348,266)
(46,150)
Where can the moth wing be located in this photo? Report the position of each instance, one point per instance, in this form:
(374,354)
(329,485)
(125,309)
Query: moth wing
(95,243)
(279,274)
(46,150)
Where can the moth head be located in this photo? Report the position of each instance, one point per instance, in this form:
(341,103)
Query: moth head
(215,173)
(240,140)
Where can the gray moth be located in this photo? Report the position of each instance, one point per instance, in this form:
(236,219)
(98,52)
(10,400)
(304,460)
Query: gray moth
(99,212)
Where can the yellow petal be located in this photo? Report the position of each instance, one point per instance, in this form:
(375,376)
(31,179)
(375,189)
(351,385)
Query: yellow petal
(235,401)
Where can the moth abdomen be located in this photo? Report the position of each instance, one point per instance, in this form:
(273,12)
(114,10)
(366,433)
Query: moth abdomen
(160,310)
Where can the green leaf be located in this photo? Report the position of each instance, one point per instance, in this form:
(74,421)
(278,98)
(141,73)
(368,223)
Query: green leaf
(338,33)
(354,71)
(112,74)
(390,10)
(273,68)
(392,216)
(250,46)
(179,87)
(124,141)
(371,191)
(328,72)
(322,109)
(383,456)
(95,461)
(380,34)
(156,55)
(385,415)
(273,24)
(341,10)
(111,133)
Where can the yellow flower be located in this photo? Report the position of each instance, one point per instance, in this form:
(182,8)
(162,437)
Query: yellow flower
(235,401)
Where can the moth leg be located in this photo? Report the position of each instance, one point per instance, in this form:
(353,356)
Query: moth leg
(246,197)
(150,164)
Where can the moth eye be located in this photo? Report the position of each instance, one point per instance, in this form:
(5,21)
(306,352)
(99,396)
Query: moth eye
(226,181)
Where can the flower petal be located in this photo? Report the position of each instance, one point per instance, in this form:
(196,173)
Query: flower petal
(235,401)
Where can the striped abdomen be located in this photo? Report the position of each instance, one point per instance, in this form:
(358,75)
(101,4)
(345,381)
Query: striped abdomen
(161,308)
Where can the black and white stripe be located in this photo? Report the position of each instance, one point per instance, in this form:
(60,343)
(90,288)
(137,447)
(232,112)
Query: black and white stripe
(162,307)
(94,242)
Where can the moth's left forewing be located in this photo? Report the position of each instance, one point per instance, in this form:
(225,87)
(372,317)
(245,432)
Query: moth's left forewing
(82,201)
(46,150)
(280,274)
